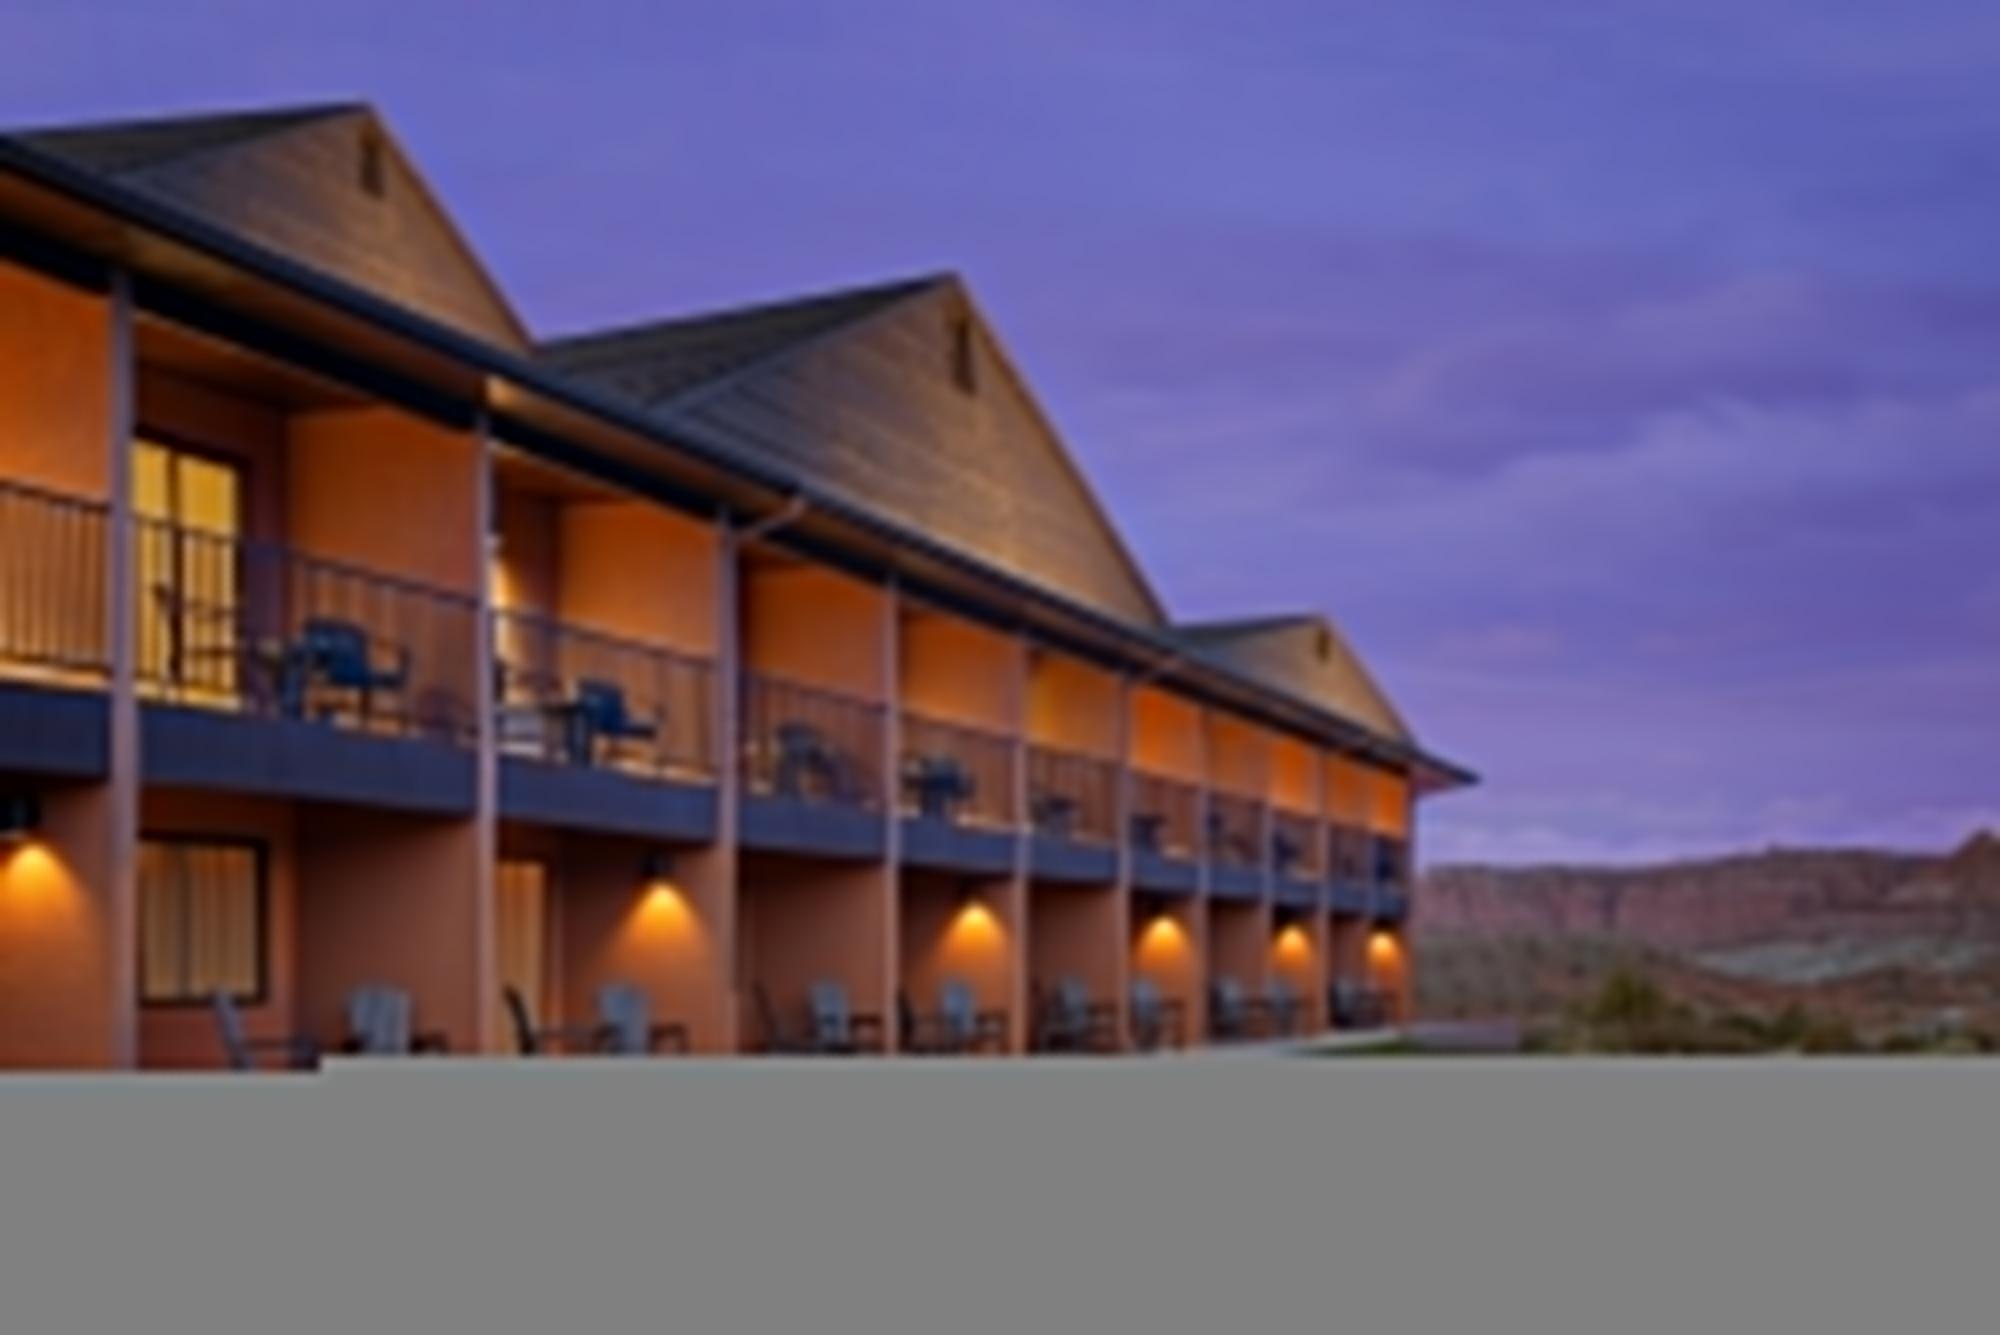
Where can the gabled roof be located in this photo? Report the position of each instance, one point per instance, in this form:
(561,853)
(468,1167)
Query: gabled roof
(291,179)
(858,391)
(119,147)
(654,363)
(1302,654)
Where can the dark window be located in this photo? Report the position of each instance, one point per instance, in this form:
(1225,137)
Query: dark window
(374,168)
(201,919)
(964,366)
(1325,644)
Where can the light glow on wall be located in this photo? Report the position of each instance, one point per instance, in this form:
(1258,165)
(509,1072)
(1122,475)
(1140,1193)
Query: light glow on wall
(975,926)
(664,909)
(1164,951)
(1385,952)
(1293,945)
(34,880)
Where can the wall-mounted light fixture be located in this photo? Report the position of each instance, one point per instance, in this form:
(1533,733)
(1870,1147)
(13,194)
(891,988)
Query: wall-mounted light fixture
(20,817)
(658,866)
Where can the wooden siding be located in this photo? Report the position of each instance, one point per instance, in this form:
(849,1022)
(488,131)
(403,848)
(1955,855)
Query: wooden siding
(873,412)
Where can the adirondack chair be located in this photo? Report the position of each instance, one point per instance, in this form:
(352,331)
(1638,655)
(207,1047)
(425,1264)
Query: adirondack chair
(625,1023)
(836,1028)
(380,1023)
(1156,1020)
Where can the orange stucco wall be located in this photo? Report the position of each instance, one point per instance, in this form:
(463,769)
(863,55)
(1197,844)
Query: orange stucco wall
(55,384)
(1078,931)
(525,566)
(1169,947)
(1238,755)
(956,672)
(399,900)
(1073,706)
(1166,735)
(64,993)
(1347,949)
(667,936)
(977,942)
(799,922)
(1298,955)
(184,1036)
(1347,792)
(1238,937)
(817,627)
(390,492)
(1295,775)
(1388,804)
(1388,963)
(639,572)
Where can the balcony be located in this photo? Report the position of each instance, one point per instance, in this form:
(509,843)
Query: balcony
(54,642)
(268,669)
(1391,902)
(812,769)
(1166,834)
(603,733)
(957,796)
(1352,873)
(1072,812)
(1297,862)
(1236,845)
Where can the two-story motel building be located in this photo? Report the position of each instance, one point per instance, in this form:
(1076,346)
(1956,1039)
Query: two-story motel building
(349,634)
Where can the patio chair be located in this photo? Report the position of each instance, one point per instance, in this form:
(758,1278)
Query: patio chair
(1354,1005)
(1156,1021)
(1067,1020)
(625,1023)
(601,711)
(379,1024)
(809,765)
(333,652)
(1053,814)
(1146,828)
(532,1040)
(1231,1013)
(774,1034)
(301,1053)
(940,784)
(1286,851)
(836,1028)
(958,1025)
(1285,1007)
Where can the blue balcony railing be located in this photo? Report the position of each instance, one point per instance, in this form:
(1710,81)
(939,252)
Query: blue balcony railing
(576,696)
(1072,797)
(1166,816)
(811,744)
(957,773)
(251,627)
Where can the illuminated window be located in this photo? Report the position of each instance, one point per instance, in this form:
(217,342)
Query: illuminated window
(201,920)
(521,924)
(190,508)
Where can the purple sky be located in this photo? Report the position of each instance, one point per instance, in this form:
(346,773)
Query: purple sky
(1624,378)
